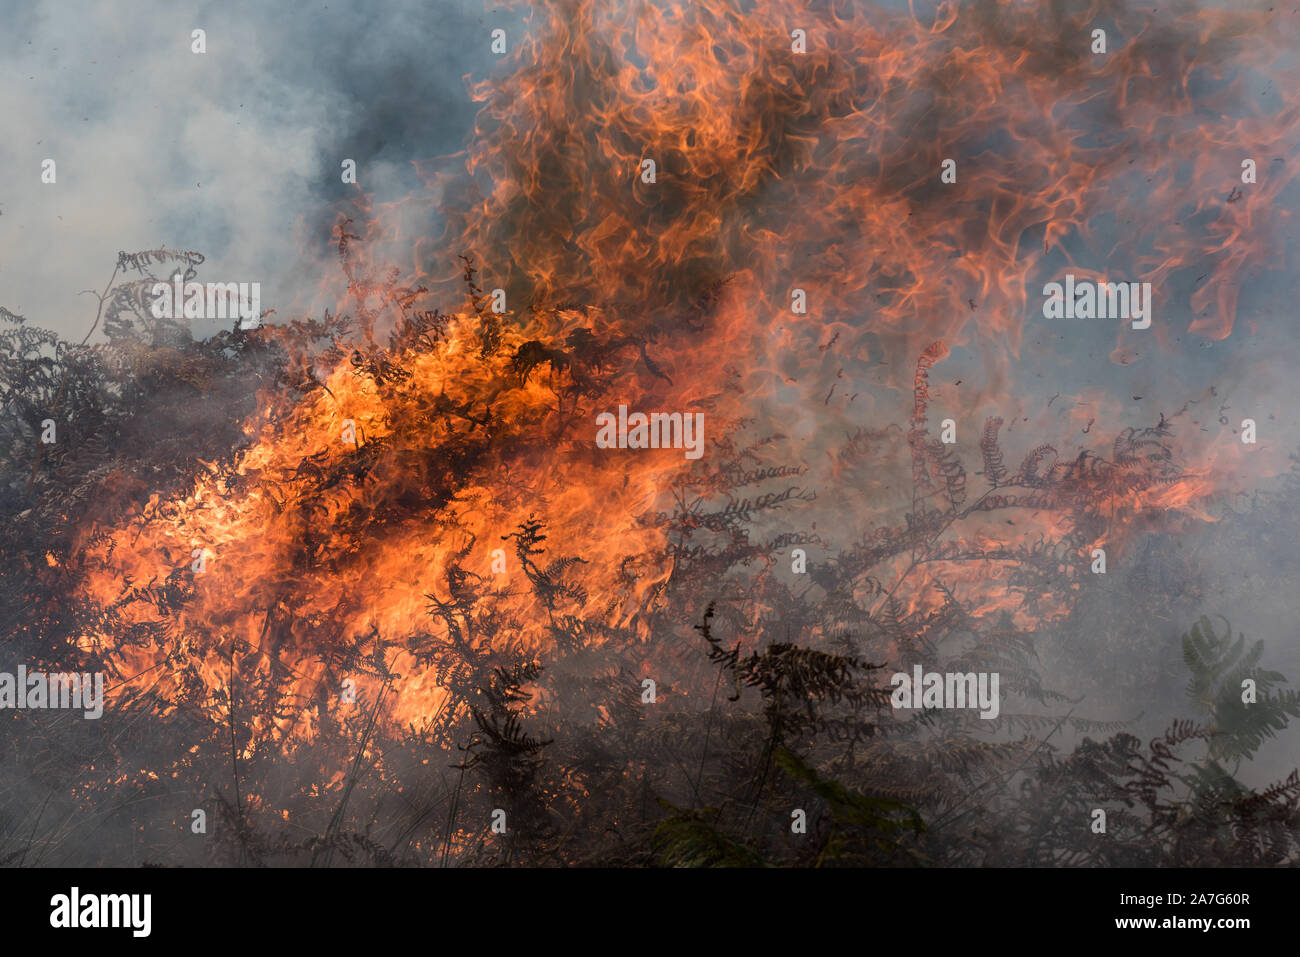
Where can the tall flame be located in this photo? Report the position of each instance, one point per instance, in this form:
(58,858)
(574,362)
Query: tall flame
(779,164)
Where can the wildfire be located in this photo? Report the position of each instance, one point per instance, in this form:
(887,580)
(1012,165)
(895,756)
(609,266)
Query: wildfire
(779,177)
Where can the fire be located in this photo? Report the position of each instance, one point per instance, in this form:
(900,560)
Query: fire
(360,500)
(276,587)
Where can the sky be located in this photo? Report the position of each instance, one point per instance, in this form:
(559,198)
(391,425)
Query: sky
(234,153)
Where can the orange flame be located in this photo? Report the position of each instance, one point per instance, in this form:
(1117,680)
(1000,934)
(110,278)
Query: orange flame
(773,170)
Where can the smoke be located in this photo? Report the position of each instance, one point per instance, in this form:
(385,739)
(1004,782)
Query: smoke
(234,153)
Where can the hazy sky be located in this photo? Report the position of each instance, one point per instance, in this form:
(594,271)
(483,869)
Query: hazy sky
(234,153)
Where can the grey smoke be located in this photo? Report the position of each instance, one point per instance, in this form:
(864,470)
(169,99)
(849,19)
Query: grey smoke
(234,153)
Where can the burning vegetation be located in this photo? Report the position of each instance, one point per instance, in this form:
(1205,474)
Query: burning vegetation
(368,589)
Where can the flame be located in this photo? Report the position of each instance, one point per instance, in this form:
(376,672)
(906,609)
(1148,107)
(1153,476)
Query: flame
(774,171)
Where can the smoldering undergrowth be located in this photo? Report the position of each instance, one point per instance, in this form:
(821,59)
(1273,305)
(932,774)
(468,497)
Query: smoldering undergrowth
(771,694)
